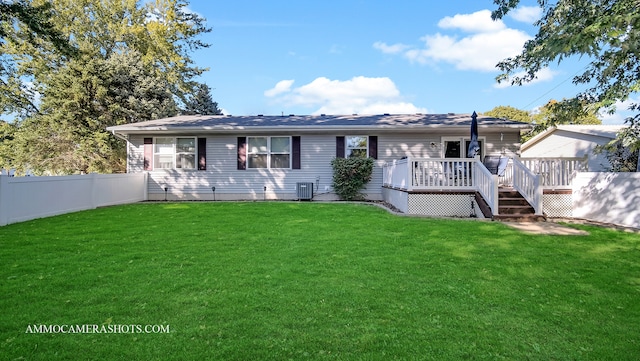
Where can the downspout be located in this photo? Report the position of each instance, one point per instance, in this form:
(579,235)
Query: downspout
(126,139)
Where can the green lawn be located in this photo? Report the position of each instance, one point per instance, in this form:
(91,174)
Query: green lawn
(334,281)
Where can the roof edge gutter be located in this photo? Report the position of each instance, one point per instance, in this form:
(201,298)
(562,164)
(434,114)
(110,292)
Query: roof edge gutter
(120,136)
(392,128)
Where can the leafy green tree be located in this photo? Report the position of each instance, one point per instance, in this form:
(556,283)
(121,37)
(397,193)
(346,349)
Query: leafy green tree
(619,152)
(133,64)
(605,31)
(560,112)
(201,102)
(7,131)
(511,113)
(21,22)
(68,135)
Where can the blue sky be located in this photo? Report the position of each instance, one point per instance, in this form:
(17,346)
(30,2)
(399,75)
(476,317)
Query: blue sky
(370,57)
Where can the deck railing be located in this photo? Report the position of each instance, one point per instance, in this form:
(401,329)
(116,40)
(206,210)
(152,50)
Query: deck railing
(459,174)
(429,173)
(396,174)
(441,173)
(556,172)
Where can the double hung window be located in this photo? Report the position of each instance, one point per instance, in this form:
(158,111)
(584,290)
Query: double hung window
(174,153)
(356,146)
(269,152)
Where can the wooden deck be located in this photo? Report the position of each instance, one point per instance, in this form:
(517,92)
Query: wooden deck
(528,178)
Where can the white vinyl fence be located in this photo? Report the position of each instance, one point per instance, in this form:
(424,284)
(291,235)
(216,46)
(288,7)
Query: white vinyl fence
(607,197)
(25,198)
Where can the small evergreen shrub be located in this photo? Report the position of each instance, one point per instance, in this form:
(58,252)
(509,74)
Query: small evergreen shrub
(350,175)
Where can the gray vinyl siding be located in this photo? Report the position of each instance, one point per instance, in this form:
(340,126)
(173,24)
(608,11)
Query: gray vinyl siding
(135,154)
(317,151)
(222,173)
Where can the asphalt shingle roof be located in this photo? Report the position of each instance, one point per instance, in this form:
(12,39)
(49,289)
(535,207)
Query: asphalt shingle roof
(300,122)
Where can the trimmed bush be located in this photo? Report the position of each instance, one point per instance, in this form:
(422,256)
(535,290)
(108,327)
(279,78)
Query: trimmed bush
(350,175)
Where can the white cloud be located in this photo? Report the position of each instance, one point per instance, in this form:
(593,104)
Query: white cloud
(487,43)
(362,95)
(478,22)
(526,14)
(390,49)
(282,86)
(543,75)
(476,52)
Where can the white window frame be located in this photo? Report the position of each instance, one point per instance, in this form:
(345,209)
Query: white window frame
(174,153)
(269,151)
(348,149)
(462,140)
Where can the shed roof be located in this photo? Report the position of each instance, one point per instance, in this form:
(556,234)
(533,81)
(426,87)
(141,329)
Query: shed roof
(228,123)
(599,130)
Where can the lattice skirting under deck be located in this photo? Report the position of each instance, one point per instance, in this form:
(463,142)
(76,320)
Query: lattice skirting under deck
(443,205)
(557,204)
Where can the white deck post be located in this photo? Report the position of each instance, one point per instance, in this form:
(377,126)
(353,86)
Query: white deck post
(409,174)
(538,195)
(495,202)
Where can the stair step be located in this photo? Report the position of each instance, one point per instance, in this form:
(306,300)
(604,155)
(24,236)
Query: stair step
(515,208)
(519,218)
(514,202)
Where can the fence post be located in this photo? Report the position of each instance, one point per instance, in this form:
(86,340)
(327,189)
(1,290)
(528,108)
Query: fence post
(94,190)
(145,186)
(4,200)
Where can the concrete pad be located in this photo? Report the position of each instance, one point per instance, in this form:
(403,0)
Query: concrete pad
(546,228)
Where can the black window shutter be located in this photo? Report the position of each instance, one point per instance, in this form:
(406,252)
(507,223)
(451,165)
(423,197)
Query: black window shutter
(339,147)
(242,153)
(148,153)
(373,147)
(295,152)
(202,153)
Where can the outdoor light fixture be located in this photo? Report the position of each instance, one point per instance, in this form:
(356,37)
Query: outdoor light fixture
(213,189)
(264,197)
(165,193)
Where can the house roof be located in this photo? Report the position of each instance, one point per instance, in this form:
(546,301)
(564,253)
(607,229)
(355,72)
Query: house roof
(604,131)
(227,123)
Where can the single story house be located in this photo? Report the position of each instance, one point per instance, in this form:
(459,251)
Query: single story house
(256,157)
(573,141)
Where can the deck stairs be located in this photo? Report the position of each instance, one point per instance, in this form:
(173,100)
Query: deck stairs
(512,206)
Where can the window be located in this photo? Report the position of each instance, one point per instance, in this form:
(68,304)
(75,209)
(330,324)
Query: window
(269,152)
(356,146)
(170,153)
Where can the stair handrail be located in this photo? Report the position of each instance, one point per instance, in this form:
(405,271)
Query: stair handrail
(527,183)
(487,184)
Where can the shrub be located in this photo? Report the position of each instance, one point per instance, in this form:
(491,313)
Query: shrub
(350,175)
